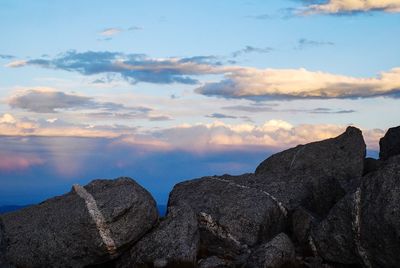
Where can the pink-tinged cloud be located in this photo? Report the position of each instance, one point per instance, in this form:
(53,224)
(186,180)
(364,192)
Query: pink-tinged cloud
(349,6)
(18,162)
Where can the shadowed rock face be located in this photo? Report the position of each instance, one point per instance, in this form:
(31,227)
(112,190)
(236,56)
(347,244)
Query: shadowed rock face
(231,216)
(390,143)
(174,243)
(88,225)
(335,236)
(364,227)
(276,253)
(380,215)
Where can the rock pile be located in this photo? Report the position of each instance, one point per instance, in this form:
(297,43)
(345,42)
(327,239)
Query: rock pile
(317,205)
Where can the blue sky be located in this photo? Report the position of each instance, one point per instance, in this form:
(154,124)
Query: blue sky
(97,89)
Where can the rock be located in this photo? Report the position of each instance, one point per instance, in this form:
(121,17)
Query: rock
(379,225)
(231,216)
(215,262)
(315,175)
(371,165)
(390,143)
(302,221)
(335,236)
(278,252)
(364,227)
(174,243)
(88,225)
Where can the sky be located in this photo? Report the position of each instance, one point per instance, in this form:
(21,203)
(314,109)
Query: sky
(165,91)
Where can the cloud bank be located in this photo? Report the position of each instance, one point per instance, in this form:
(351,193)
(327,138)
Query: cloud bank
(238,81)
(131,67)
(273,84)
(353,6)
(275,134)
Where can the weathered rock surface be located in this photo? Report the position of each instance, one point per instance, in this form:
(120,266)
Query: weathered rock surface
(364,227)
(390,143)
(174,243)
(371,165)
(232,217)
(274,254)
(88,225)
(302,222)
(315,175)
(335,237)
(215,262)
(379,205)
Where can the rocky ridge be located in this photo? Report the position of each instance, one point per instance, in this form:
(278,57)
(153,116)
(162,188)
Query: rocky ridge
(321,204)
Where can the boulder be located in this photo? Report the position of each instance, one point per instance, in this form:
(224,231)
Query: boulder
(232,217)
(371,165)
(390,143)
(302,222)
(215,262)
(335,237)
(314,176)
(174,243)
(364,227)
(379,225)
(88,225)
(279,252)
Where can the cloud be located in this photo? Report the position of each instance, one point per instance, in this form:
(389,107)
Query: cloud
(330,111)
(351,6)
(272,109)
(6,56)
(273,84)
(221,116)
(273,134)
(260,17)
(160,118)
(17,63)
(110,31)
(239,82)
(48,100)
(11,162)
(306,43)
(7,119)
(251,49)
(132,67)
(135,28)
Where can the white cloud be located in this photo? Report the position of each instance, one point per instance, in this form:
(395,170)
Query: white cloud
(7,119)
(273,134)
(110,31)
(17,63)
(349,6)
(301,84)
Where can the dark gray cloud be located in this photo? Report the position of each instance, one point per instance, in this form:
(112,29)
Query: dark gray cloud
(249,108)
(262,108)
(251,49)
(225,116)
(47,101)
(160,118)
(131,67)
(304,43)
(221,116)
(330,111)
